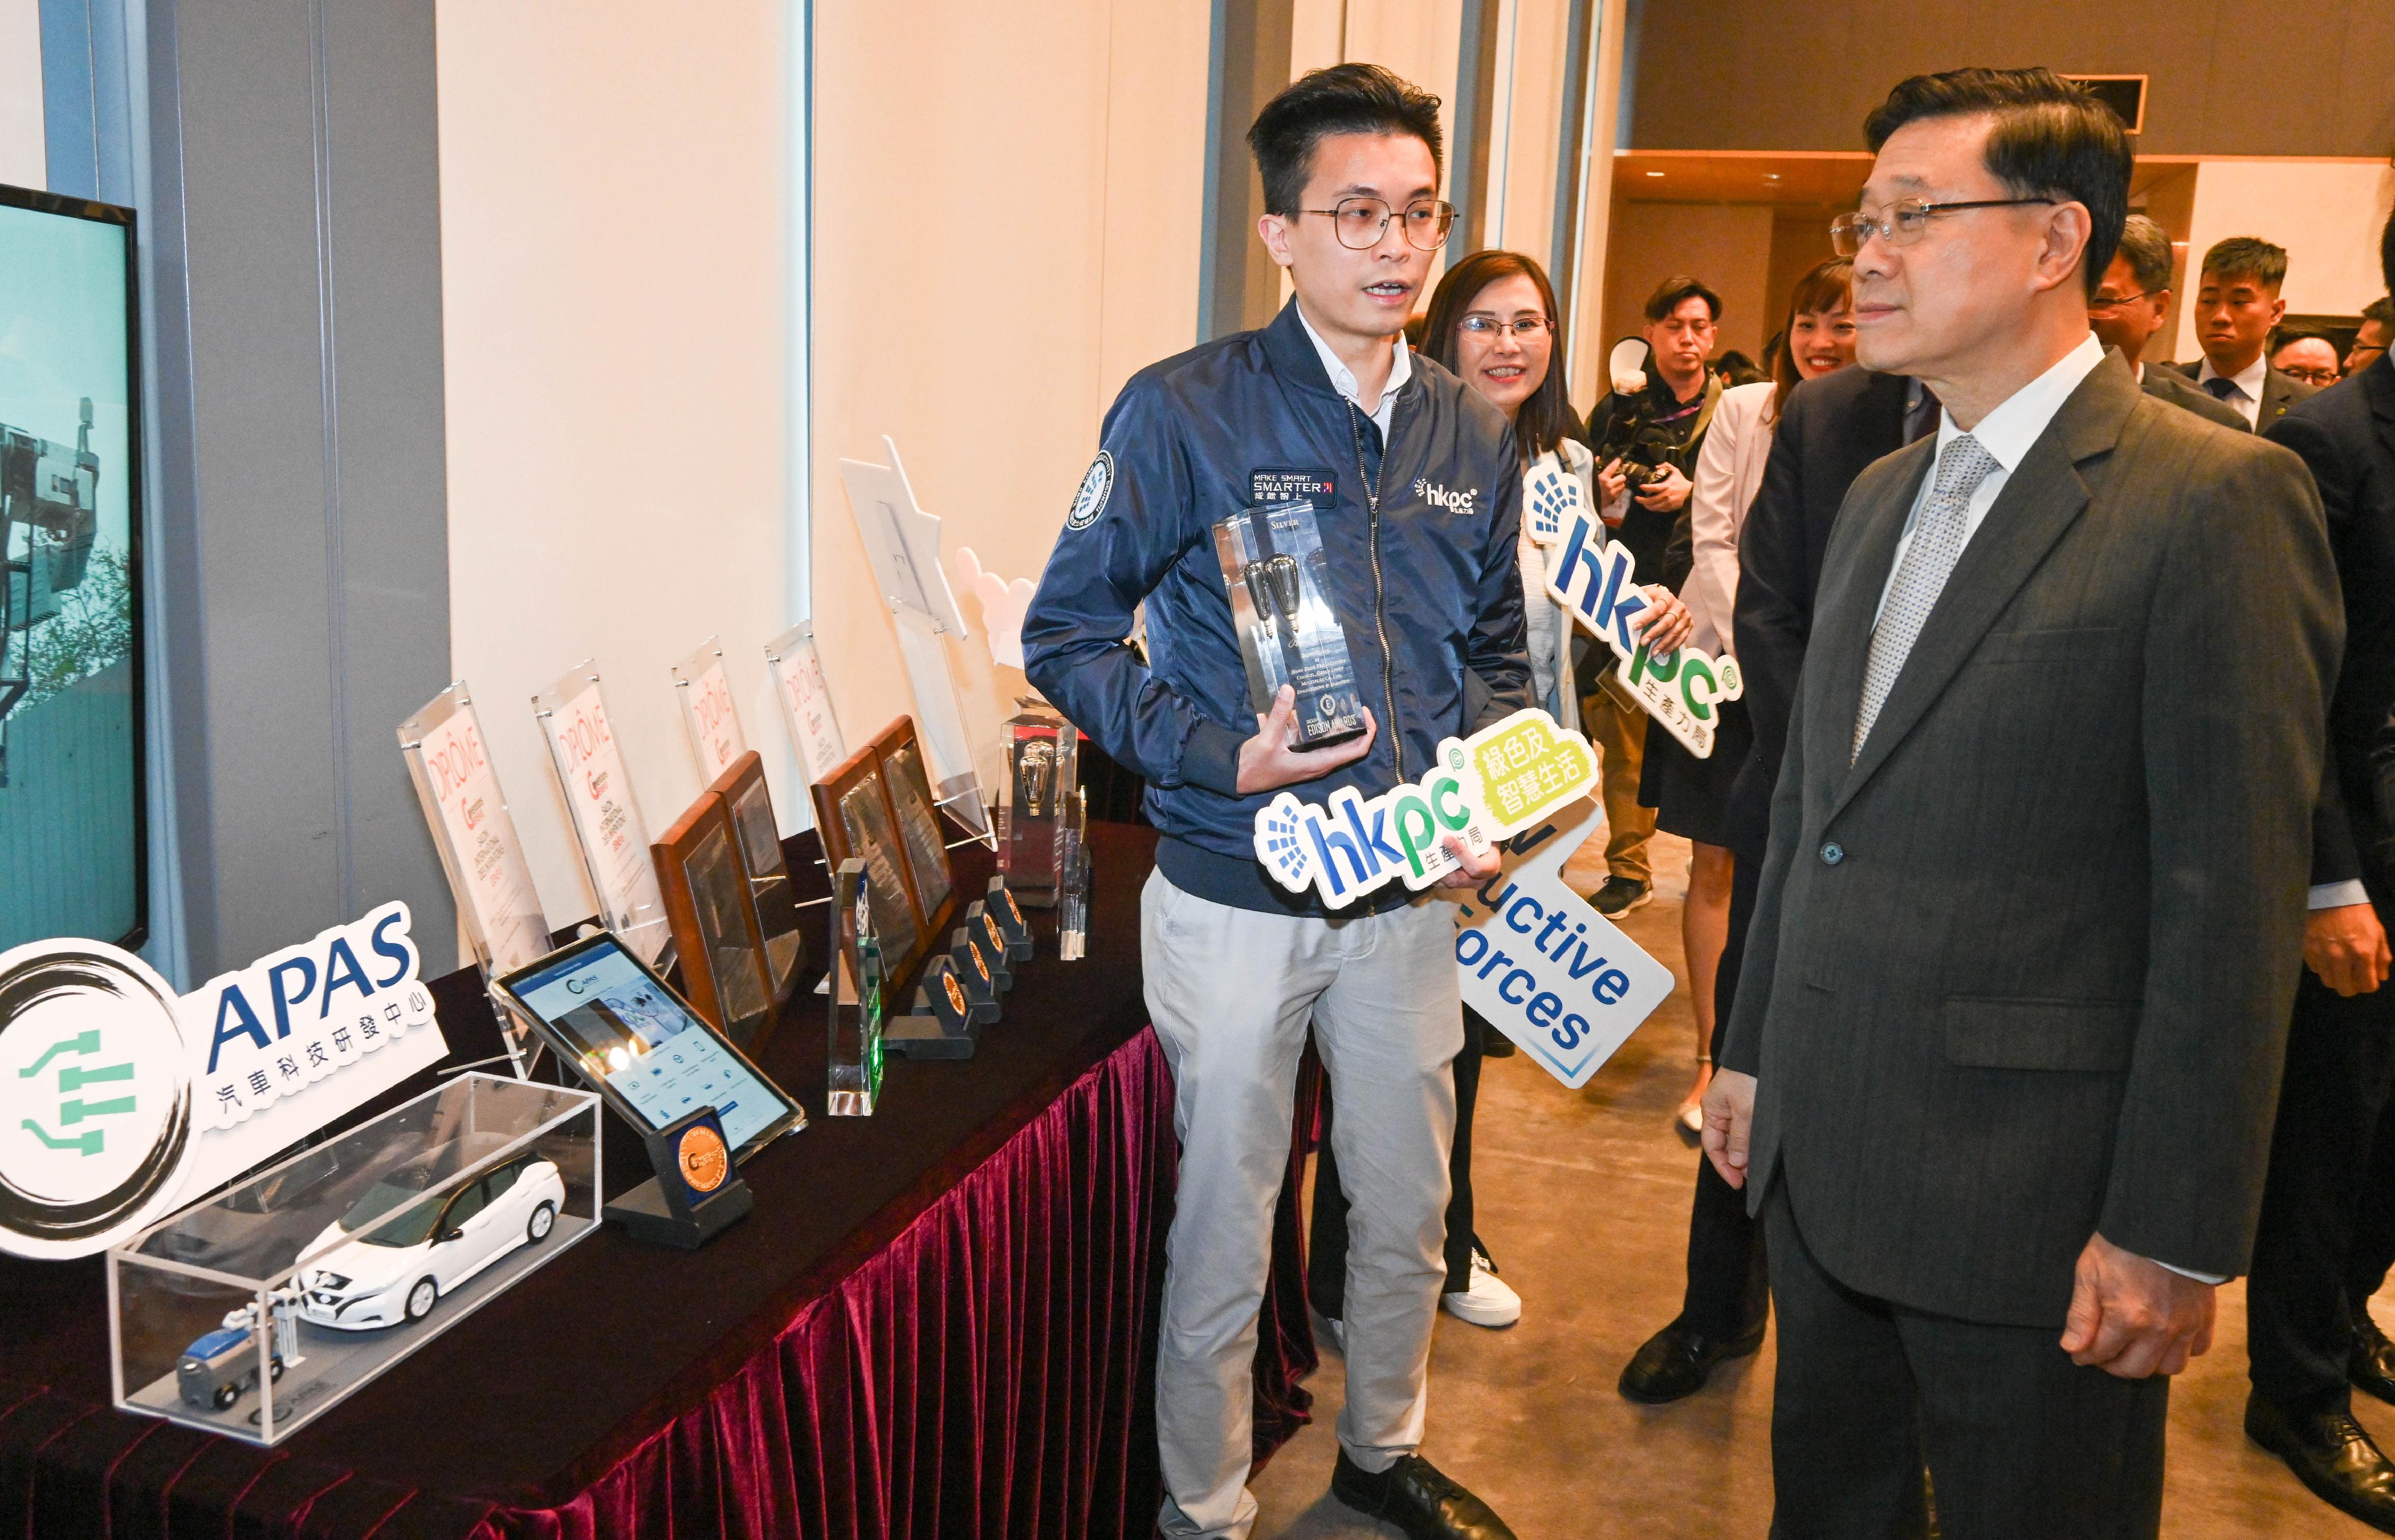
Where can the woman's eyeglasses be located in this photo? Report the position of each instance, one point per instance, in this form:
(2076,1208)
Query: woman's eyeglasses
(1524,327)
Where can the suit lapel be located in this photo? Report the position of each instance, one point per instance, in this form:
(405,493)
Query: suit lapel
(2040,501)
(1851,583)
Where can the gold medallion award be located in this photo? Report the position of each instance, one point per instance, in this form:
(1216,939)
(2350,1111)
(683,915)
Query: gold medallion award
(705,1163)
(955,995)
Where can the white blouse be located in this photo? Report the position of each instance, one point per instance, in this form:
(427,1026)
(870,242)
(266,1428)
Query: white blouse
(1729,472)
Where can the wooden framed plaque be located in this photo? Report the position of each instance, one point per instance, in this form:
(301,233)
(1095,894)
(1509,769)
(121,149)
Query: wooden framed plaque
(758,842)
(857,822)
(714,918)
(909,784)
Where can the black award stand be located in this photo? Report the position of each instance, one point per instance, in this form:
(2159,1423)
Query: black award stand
(696,1191)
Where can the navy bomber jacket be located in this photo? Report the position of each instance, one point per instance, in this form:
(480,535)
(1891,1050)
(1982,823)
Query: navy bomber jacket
(1427,590)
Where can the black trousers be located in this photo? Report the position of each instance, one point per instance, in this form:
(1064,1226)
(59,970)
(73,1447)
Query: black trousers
(2019,1440)
(1727,1293)
(2327,1233)
(1326,1242)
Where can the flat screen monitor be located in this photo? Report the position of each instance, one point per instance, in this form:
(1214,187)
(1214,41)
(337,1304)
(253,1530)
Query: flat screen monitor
(73,838)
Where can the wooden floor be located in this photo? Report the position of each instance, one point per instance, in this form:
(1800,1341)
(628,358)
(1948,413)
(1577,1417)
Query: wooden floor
(1584,1198)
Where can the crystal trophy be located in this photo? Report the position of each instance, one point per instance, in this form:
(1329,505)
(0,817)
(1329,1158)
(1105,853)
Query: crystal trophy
(1280,585)
(855,1039)
(1073,920)
(1042,773)
(480,854)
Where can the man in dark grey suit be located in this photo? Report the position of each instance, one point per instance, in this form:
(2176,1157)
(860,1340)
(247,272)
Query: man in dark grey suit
(2126,310)
(2237,307)
(2000,1069)
(2327,1235)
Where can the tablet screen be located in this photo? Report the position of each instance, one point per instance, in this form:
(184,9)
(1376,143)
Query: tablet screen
(634,1036)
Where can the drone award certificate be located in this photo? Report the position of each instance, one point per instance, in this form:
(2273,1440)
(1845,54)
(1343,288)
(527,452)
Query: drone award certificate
(606,819)
(800,686)
(478,844)
(707,712)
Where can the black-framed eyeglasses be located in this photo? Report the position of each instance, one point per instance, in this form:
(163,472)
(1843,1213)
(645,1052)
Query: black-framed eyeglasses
(1360,222)
(1524,327)
(1905,221)
(2101,306)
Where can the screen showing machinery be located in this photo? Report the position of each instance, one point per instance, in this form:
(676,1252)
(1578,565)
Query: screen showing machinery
(71,834)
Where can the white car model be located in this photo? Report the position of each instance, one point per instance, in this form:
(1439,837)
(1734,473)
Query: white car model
(386,1272)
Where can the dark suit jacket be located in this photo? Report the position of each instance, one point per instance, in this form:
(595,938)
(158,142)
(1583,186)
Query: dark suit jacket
(2347,434)
(2163,381)
(1829,429)
(2279,392)
(2022,973)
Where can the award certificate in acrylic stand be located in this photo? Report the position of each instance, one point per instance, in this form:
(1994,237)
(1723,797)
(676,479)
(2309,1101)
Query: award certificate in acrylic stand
(707,714)
(607,827)
(903,543)
(480,854)
(805,694)
(854,1035)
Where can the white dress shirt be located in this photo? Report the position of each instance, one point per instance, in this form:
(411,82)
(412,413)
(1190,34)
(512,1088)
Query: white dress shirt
(2007,434)
(1729,472)
(1342,379)
(2247,397)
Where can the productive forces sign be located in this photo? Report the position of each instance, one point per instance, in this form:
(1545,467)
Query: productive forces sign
(123,1102)
(1677,688)
(1502,779)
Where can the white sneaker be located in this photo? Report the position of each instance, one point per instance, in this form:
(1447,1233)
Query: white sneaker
(1489,1302)
(1336,1330)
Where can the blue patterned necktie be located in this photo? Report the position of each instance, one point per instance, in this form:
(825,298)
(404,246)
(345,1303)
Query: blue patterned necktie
(1929,559)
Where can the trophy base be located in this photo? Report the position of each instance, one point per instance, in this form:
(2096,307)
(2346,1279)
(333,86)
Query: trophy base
(642,1214)
(922,1036)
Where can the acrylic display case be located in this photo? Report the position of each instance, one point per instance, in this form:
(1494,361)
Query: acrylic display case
(255,1312)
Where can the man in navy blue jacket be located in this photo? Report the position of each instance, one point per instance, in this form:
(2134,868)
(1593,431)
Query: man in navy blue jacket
(1416,483)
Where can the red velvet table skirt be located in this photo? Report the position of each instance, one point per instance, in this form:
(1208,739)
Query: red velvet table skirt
(987,1373)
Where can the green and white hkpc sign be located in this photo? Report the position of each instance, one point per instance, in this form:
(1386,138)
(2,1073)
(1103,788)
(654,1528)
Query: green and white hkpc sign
(121,1102)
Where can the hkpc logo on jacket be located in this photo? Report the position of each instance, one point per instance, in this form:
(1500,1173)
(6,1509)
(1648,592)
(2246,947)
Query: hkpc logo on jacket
(1438,495)
(125,1102)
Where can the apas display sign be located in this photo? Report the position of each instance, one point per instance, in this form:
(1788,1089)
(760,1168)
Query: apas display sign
(125,1102)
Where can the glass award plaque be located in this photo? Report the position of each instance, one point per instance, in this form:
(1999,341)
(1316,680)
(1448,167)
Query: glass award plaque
(707,712)
(1073,912)
(741,787)
(805,697)
(607,827)
(853,1039)
(1043,754)
(1280,605)
(480,854)
(854,820)
(912,802)
(714,919)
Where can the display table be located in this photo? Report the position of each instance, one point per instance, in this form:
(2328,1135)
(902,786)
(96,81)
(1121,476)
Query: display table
(939,1321)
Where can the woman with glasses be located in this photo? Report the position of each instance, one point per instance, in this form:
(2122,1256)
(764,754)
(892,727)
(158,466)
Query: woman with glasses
(1493,323)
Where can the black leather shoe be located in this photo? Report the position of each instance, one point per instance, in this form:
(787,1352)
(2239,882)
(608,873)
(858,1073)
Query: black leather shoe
(2372,1365)
(1415,1496)
(2330,1453)
(1677,1360)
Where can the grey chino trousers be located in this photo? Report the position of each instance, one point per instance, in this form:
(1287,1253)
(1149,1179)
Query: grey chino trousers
(1231,992)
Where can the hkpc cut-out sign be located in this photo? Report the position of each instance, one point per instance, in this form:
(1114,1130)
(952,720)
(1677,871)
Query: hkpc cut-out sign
(123,1102)
(1502,779)
(1677,688)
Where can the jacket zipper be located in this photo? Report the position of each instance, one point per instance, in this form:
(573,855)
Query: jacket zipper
(1380,613)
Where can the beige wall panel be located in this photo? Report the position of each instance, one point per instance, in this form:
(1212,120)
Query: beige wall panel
(999,245)
(612,277)
(2328,215)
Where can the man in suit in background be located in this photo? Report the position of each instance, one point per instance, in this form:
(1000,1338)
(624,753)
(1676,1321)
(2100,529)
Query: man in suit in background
(2370,337)
(2127,310)
(2002,1067)
(1829,429)
(2237,305)
(2327,1234)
